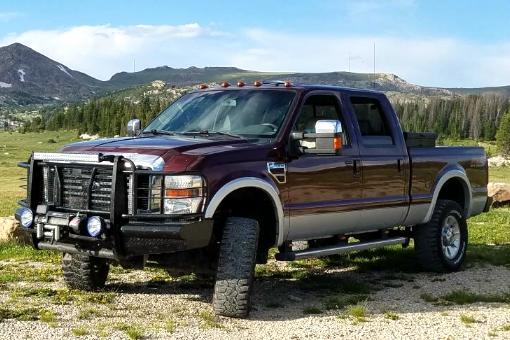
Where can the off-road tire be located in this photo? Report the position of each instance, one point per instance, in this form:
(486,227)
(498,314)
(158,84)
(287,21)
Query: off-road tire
(84,272)
(427,239)
(236,266)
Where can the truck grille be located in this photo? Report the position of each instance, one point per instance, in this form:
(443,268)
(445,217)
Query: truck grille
(78,188)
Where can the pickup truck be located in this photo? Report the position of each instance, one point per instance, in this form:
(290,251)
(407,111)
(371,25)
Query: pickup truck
(227,172)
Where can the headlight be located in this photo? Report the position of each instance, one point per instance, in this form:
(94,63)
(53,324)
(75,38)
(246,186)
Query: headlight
(25,217)
(94,226)
(183,194)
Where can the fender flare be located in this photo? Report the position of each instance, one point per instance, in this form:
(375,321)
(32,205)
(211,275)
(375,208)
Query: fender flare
(250,182)
(449,174)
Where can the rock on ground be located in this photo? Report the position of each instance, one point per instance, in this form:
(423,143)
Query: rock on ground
(500,192)
(9,230)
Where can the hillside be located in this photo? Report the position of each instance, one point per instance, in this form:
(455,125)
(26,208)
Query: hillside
(28,77)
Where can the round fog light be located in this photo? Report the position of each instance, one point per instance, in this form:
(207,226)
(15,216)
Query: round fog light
(94,226)
(25,217)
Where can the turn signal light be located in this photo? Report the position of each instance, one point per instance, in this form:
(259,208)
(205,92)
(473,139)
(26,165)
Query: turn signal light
(183,193)
(225,84)
(257,83)
(337,143)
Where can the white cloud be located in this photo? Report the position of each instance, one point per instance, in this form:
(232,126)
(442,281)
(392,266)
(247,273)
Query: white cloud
(435,61)
(8,16)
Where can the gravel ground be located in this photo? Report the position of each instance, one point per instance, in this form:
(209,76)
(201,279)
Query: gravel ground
(151,304)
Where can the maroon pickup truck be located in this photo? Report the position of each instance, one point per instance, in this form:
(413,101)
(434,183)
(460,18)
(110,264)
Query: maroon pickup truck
(226,173)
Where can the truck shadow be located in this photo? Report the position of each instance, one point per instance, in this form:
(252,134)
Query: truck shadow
(381,280)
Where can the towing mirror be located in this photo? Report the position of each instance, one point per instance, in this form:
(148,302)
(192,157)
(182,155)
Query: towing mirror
(327,138)
(133,127)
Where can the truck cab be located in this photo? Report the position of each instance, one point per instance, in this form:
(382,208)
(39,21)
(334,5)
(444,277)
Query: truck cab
(226,173)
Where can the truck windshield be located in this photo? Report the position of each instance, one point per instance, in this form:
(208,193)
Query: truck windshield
(249,113)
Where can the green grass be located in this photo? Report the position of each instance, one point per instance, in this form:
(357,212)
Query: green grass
(390,315)
(312,310)
(461,297)
(80,331)
(19,313)
(133,332)
(467,319)
(501,174)
(209,320)
(20,252)
(358,312)
(16,147)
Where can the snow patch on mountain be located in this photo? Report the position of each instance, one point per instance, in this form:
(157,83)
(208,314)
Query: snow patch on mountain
(62,68)
(5,85)
(21,75)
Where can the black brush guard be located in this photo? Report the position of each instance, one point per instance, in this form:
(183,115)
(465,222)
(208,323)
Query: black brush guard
(130,234)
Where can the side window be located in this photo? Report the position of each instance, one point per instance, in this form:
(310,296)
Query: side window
(372,122)
(316,108)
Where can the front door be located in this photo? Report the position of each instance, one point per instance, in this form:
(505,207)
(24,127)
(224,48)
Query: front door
(322,188)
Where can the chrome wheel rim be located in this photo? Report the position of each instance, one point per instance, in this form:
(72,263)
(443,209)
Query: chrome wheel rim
(450,237)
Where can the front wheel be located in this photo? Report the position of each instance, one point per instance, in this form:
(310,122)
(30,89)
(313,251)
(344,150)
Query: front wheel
(236,266)
(441,243)
(84,272)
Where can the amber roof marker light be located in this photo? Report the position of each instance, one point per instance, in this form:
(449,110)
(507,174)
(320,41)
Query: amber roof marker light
(287,83)
(225,84)
(257,83)
(240,83)
(203,86)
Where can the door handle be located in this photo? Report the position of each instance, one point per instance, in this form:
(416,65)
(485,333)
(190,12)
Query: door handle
(355,166)
(399,164)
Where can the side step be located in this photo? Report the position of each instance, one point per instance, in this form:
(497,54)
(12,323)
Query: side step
(338,249)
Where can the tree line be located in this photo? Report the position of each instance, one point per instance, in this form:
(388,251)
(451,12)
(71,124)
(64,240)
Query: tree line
(477,117)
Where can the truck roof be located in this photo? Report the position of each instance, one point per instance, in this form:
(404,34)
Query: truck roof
(274,84)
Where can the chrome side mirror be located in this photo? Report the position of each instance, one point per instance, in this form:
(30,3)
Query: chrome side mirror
(134,126)
(328,126)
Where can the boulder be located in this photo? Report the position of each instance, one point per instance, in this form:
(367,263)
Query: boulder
(498,161)
(500,192)
(9,230)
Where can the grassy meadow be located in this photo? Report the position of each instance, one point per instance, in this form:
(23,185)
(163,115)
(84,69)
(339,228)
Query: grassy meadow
(16,147)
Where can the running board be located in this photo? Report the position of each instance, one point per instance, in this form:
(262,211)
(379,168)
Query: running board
(338,249)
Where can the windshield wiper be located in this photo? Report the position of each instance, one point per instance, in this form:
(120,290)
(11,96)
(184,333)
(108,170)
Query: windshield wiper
(159,132)
(208,133)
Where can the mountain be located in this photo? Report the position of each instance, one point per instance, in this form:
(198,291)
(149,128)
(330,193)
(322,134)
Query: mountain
(194,75)
(497,90)
(28,77)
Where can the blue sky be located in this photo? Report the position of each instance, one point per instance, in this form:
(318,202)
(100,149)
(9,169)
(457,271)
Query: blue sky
(436,43)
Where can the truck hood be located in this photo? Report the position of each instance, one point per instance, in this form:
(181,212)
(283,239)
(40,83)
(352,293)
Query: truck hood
(183,150)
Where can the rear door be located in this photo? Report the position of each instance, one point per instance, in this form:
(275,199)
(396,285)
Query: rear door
(323,188)
(383,161)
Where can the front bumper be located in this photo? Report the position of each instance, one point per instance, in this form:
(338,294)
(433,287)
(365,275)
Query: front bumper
(52,230)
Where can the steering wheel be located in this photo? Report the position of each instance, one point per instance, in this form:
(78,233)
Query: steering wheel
(274,127)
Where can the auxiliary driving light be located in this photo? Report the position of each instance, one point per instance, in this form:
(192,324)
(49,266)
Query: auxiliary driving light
(94,226)
(25,217)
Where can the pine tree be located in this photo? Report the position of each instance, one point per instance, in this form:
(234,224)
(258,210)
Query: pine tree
(503,134)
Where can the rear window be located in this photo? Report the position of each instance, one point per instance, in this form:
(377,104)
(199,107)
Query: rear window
(372,121)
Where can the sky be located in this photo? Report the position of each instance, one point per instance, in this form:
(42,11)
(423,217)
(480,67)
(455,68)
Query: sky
(433,43)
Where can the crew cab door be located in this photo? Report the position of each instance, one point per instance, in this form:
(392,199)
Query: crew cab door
(321,188)
(384,161)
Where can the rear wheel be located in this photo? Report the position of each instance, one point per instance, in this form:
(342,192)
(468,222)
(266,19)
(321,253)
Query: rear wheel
(236,266)
(441,243)
(84,272)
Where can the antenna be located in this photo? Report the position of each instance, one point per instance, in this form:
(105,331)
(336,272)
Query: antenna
(349,62)
(374,65)
(134,65)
